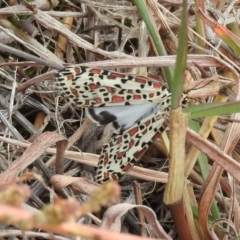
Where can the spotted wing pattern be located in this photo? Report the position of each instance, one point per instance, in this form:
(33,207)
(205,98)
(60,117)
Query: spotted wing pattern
(120,154)
(88,87)
(137,107)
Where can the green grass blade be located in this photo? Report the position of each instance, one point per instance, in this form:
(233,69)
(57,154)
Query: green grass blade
(176,85)
(213,109)
(142,8)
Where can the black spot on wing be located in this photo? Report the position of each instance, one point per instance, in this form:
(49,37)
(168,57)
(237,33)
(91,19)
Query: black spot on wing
(116,125)
(102,118)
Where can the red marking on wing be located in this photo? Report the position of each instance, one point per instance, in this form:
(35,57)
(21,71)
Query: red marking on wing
(75,92)
(156,136)
(151,95)
(139,154)
(110,89)
(117,99)
(114,177)
(147,123)
(164,125)
(106,175)
(157,85)
(120,155)
(119,140)
(98,100)
(131,143)
(144,132)
(127,167)
(110,143)
(95,71)
(137,97)
(106,159)
(93,86)
(78,70)
(69,77)
(113,75)
(140,80)
(133,131)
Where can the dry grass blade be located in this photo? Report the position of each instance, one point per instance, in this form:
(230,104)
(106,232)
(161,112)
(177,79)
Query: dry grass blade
(215,154)
(81,185)
(35,150)
(92,159)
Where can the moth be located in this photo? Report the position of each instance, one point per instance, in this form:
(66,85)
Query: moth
(137,108)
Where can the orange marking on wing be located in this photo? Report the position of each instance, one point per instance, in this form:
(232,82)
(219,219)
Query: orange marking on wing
(127,167)
(139,154)
(95,71)
(77,70)
(157,85)
(133,131)
(137,97)
(115,75)
(98,100)
(75,92)
(117,99)
(156,136)
(140,80)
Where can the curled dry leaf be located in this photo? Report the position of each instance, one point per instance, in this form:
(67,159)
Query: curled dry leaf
(232,234)
(112,218)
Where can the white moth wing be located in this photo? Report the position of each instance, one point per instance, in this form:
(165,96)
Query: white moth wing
(88,87)
(122,151)
(137,107)
(123,117)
